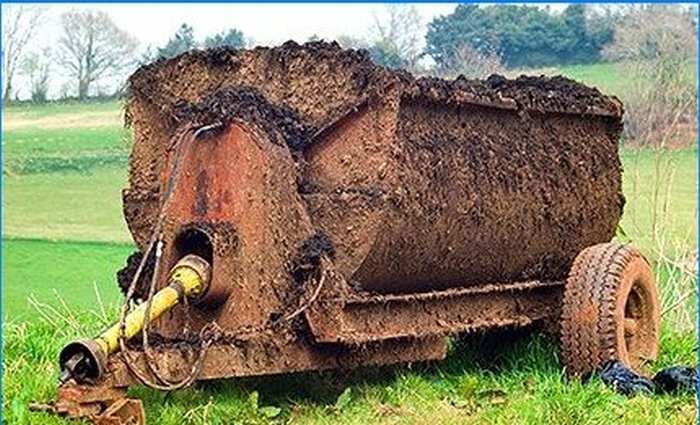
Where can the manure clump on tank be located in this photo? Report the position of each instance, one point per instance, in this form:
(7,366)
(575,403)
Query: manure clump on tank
(306,87)
(281,124)
(308,259)
(541,94)
(126,274)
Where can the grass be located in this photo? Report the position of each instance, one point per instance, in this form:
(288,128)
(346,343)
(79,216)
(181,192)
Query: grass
(64,183)
(36,150)
(610,78)
(63,169)
(60,109)
(41,269)
(67,206)
(87,206)
(676,209)
(497,379)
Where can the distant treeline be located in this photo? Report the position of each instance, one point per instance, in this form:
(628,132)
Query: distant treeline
(522,36)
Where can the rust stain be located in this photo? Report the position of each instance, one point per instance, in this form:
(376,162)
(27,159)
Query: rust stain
(201,196)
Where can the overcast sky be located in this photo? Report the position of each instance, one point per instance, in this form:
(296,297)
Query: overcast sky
(153,24)
(264,23)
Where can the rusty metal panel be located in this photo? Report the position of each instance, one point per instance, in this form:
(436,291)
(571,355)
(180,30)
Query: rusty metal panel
(271,354)
(373,318)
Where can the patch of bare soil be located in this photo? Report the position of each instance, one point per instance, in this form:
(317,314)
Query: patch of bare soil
(63,121)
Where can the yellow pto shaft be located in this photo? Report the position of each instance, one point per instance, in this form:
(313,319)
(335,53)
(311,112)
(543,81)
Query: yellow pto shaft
(185,282)
(84,361)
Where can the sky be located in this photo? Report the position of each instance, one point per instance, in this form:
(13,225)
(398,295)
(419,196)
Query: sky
(264,23)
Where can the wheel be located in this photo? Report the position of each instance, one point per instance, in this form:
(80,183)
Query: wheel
(610,310)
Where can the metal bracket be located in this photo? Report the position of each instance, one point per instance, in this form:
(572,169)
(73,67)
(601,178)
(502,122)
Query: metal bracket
(100,405)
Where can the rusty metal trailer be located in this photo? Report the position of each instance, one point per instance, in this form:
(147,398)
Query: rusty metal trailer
(349,215)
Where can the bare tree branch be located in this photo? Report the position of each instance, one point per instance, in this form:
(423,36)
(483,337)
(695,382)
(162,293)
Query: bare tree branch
(656,46)
(19,25)
(471,63)
(37,67)
(92,47)
(399,30)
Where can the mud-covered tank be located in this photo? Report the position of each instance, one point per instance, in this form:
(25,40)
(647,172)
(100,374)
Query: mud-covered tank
(299,208)
(418,184)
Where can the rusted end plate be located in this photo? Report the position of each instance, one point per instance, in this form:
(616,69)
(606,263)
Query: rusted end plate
(102,405)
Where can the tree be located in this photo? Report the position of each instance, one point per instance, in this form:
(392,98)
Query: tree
(19,25)
(386,54)
(471,63)
(180,42)
(656,47)
(600,26)
(350,42)
(36,66)
(147,56)
(232,38)
(469,25)
(396,37)
(93,47)
(583,33)
(523,36)
(650,31)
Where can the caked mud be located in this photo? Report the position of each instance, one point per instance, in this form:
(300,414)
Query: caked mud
(417,184)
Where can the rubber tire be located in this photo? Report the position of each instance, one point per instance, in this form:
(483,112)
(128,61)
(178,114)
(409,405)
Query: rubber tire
(606,282)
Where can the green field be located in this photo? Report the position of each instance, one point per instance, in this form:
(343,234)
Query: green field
(667,196)
(63,109)
(63,233)
(609,78)
(65,206)
(81,273)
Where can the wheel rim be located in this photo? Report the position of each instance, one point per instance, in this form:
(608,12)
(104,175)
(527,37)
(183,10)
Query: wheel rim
(639,325)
